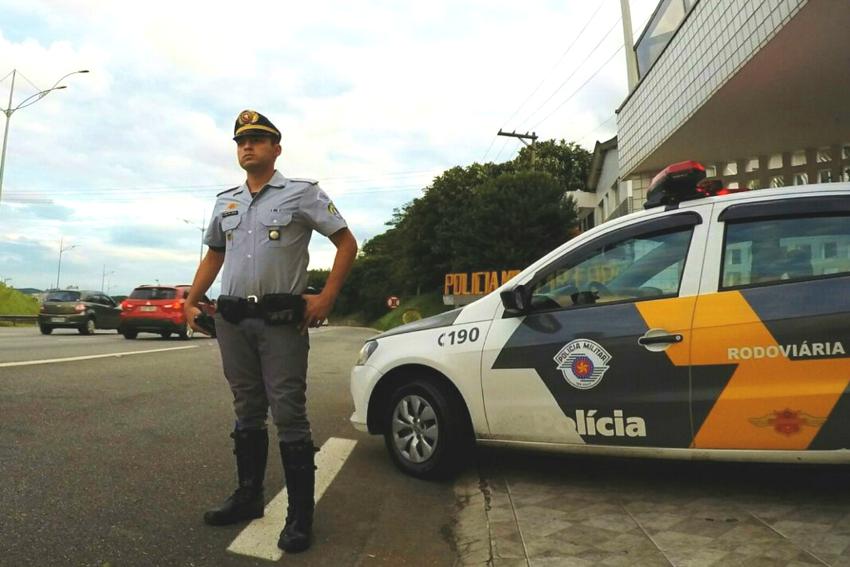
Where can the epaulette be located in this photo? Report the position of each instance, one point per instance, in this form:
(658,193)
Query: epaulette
(307,181)
(228,190)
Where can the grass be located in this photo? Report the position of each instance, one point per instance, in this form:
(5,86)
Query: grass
(13,302)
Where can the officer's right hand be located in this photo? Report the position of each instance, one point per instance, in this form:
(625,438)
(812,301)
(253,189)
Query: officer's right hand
(192,311)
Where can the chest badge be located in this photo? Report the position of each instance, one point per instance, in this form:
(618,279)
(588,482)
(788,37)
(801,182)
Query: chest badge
(274,234)
(583,363)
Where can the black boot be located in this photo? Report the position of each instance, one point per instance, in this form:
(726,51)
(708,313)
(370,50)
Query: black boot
(300,469)
(251,447)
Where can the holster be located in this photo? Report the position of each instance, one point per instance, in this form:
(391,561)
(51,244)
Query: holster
(281,308)
(273,308)
(232,308)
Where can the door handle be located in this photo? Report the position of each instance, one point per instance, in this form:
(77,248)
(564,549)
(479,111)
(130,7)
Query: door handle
(660,339)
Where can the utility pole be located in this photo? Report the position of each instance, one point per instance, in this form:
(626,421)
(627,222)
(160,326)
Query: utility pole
(629,43)
(522,138)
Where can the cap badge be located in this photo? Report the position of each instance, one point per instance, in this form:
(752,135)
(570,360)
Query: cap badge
(248,117)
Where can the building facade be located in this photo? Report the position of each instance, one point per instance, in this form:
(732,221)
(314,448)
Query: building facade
(753,89)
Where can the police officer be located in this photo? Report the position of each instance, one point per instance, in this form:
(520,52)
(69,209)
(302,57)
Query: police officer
(259,233)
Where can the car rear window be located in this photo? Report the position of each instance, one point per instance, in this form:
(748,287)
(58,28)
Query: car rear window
(154,293)
(794,248)
(63,296)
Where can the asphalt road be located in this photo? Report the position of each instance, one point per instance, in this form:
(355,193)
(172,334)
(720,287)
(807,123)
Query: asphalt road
(111,461)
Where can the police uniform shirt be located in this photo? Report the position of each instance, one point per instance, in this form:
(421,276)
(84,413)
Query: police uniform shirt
(265,237)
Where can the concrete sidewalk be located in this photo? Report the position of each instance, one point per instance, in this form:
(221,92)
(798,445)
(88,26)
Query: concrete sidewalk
(570,511)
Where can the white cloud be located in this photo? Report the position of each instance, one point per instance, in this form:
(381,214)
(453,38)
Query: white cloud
(374,99)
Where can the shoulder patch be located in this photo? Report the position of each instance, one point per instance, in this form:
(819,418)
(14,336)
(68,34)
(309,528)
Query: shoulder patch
(228,190)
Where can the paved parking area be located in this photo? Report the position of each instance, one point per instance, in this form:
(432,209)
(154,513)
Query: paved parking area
(545,510)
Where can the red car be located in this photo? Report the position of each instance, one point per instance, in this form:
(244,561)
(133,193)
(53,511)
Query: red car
(159,309)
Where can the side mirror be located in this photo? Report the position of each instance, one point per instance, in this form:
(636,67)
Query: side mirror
(516,300)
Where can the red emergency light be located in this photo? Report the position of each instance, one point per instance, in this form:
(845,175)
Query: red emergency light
(683,181)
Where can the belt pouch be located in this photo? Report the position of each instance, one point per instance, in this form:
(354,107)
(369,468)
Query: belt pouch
(232,308)
(281,308)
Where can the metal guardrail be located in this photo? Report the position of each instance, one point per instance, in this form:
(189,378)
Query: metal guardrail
(15,319)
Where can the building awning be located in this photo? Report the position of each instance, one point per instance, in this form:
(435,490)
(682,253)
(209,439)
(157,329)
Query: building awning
(792,94)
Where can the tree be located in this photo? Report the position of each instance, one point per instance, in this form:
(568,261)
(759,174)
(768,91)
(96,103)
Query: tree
(565,161)
(511,221)
(482,216)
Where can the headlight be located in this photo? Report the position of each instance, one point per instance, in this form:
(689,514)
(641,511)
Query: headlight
(365,352)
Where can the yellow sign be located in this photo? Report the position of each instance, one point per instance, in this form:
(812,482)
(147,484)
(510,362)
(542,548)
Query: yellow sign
(476,283)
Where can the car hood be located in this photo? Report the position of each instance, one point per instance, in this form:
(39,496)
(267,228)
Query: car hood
(442,320)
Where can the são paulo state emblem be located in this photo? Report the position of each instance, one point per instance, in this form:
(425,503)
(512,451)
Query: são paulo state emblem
(583,363)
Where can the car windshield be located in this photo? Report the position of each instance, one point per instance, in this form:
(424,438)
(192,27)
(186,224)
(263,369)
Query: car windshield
(154,293)
(63,296)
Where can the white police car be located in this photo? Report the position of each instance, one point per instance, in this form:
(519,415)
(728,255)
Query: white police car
(710,325)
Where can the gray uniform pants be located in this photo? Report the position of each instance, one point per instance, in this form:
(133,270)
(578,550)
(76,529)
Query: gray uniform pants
(266,367)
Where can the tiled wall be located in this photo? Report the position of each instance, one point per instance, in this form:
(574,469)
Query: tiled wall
(716,40)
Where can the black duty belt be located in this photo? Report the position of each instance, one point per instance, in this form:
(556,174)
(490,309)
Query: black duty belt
(273,308)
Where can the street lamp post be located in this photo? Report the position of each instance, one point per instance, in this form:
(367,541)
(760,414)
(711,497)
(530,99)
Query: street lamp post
(9,110)
(59,268)
(103,277)
(203,229)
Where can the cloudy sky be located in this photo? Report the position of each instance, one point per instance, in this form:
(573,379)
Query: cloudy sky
(374,99)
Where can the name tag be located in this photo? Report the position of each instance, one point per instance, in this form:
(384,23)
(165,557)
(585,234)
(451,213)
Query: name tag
(229,213)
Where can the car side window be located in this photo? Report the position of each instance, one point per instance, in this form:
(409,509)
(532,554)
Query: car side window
(637,267)
(766,251)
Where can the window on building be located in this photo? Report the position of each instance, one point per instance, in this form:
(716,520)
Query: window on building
(658,33)
(753,184)
(824,176)
(775,161)
(830,249)
(730,168)
(711,171)
(777,181)
(845,174)
(735,256)
(752,165)
(845,152)
(801,178)
(824,155)
(798,158)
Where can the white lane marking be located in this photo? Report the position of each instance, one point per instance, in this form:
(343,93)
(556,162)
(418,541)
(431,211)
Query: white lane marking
(259,538)
(91,356)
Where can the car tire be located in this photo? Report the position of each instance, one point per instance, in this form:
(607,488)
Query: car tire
(186,332)
(45,330)
(165,334)
(130,335)
(426,430)
(88,328)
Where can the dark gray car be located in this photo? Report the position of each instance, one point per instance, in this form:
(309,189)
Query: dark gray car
(83,310)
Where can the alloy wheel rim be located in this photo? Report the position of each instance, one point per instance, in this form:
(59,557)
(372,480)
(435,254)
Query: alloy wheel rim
(415,429)
(90,326)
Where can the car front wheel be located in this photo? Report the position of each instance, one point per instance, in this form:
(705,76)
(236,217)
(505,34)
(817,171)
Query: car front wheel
(45,330)
(130,334)
(426,431)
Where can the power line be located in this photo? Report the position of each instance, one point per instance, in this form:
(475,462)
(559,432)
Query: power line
(546,76)
(595,128)
(575,92)
(557,90)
